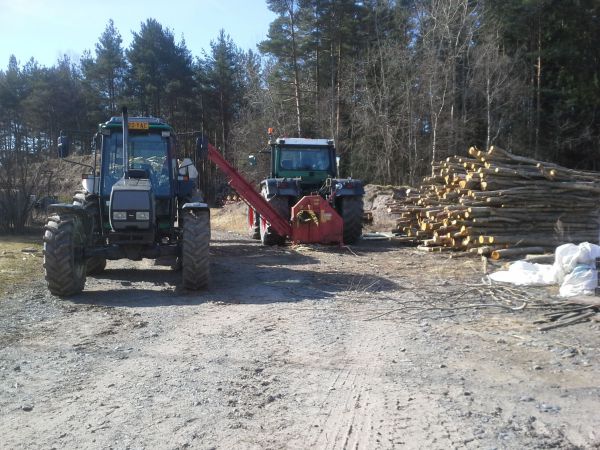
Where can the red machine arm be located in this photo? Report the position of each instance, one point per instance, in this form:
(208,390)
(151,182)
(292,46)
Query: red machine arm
(248,193)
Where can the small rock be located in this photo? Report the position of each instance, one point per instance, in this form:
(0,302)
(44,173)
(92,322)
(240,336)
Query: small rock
(537,367)
(17,368)
(443,366)
(27,407)
(544,407)
(568,353)
(526,398)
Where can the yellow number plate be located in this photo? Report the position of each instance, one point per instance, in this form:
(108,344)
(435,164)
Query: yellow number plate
(138,125)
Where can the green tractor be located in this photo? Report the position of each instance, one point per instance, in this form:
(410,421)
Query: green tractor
(301,167)
(139,203)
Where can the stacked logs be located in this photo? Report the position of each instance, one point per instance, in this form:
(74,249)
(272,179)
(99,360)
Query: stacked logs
(501,204)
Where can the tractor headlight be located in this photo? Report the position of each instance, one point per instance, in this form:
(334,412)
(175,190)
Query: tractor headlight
(142,215)
(119,215)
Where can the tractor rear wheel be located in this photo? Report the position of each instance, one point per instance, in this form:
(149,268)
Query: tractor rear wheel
(253,223)
(64,265)
(268,235)
(352,214)
(195,249)
(90,203)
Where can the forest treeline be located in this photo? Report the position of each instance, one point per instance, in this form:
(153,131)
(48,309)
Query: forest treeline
(397,84)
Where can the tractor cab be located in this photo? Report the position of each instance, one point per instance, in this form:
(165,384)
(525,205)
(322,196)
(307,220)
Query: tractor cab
(310,161)
(137,195)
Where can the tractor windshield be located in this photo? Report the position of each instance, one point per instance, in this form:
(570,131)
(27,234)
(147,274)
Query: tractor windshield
(146,151)
(304,158)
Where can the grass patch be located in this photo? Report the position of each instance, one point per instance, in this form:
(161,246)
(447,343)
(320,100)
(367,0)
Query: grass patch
(21,261)
(231,217)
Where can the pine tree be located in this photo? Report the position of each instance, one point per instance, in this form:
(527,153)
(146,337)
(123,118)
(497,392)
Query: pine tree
(160,70)
(105,74)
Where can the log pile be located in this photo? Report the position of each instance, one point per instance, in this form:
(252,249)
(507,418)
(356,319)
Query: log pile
(499,204)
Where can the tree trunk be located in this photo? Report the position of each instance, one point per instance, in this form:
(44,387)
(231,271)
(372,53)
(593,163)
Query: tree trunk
(296,75)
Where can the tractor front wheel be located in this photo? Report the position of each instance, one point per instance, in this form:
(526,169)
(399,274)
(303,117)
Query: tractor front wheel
(90,203)
(268,235)
(195,249)
(64,264)
(352,214)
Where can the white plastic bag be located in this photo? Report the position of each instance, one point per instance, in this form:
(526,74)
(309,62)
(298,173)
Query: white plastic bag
(569,256)
(574,269)
(523,273)
(581,281)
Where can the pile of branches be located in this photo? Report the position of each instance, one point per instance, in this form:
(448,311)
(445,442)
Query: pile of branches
(499,204)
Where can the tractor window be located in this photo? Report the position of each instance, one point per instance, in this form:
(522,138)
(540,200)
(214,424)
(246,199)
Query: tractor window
(146,151)
(304,158)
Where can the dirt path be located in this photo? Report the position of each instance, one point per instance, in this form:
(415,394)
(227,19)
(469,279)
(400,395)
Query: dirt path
(292,348)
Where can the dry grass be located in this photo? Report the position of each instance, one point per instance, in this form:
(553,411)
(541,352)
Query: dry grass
(18,267)
(231,217)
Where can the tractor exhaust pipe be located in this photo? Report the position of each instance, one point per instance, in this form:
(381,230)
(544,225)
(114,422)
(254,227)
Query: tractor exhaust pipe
(125,121)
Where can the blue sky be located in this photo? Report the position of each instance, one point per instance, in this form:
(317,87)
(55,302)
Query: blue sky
(46,29)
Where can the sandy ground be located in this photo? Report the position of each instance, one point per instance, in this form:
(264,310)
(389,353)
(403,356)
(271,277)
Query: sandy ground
(373,346)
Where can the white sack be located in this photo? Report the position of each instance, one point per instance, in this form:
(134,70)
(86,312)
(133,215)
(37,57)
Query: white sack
(581,281)
(574,268)
(524,273)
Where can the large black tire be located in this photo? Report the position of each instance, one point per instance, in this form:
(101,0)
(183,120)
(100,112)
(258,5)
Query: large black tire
(90,202)
(64,265)
(195,251)
(268,236)
(351,209)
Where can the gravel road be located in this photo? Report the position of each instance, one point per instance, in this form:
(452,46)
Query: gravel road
(374,346)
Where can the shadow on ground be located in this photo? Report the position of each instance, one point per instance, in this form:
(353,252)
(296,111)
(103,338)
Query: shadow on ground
(241,273)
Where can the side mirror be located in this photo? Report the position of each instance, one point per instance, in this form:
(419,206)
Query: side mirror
(252,160)
(201,147)
(63,146)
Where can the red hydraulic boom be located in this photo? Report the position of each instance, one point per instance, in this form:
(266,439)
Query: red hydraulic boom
(248,193)
(313,219)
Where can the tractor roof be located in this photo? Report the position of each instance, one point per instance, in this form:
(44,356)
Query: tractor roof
(153,123)
(304,141)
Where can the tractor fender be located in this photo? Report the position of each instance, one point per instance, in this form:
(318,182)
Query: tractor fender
(347,187)
(195,206)
(75,210)
(65,209)
(283,187)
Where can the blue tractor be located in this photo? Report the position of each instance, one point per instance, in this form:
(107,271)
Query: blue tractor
(137,202)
